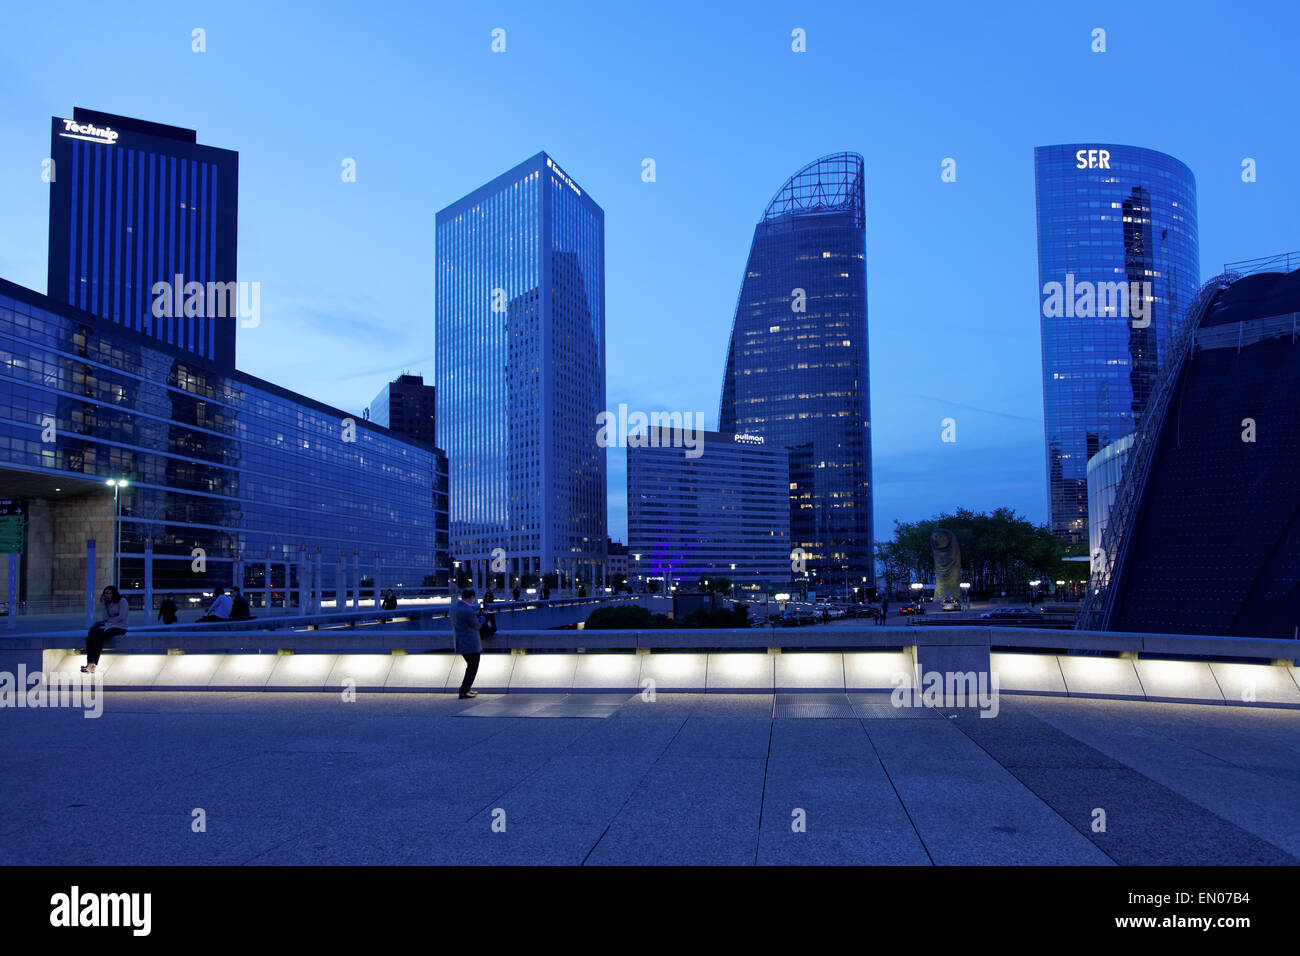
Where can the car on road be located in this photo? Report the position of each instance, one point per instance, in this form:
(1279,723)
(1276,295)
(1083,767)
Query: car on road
(951,604)
(1010,614)
(911,607)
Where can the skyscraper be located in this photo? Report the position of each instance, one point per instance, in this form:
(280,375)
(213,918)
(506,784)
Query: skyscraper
(796,369)
(1118,263)
(520,373)
(132,204)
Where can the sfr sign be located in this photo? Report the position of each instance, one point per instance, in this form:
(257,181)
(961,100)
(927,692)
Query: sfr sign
(1092,159)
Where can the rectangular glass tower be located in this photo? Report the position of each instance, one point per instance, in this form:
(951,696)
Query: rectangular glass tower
(520,374)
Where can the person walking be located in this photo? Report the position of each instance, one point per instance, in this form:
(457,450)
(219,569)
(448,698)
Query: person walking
(112,624)
(167,610)
(465,623)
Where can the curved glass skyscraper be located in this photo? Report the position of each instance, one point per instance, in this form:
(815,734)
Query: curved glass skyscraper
(1118,264)
(797,364)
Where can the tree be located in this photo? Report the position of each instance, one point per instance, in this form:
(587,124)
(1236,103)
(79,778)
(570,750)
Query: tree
(1000,550)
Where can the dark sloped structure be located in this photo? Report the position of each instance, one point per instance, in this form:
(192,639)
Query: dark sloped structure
(1213,542)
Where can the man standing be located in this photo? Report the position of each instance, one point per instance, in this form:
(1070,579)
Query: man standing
(465,623)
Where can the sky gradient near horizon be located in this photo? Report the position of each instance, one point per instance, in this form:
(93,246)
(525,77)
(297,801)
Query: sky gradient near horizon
(414,94)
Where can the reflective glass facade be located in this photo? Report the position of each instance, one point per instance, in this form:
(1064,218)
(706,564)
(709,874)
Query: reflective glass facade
(725,512)
(520,372)
(796,369)
(1109,218)
(1105,469)
(216,460)
(134,203)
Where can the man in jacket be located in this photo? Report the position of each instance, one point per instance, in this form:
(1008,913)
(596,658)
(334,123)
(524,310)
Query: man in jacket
(465,623)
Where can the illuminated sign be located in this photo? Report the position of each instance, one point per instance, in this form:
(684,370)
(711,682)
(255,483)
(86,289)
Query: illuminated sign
(559,172)
(1092,159)
(89,132)
(749,439)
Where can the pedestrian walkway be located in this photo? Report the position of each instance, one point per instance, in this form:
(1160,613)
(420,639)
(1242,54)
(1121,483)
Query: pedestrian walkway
(619,779)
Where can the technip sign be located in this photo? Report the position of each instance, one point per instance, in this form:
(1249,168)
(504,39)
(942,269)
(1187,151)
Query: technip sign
(89,132)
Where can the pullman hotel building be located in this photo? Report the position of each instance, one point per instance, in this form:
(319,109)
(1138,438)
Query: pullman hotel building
(226,474)
(716,506)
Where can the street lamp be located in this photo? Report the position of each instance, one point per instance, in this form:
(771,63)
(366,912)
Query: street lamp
(965,592)
(117,485)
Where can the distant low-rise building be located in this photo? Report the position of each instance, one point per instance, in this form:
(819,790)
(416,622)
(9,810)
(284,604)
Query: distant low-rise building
(615,560)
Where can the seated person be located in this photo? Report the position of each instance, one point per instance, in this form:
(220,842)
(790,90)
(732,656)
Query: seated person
(219,609)
(239,610)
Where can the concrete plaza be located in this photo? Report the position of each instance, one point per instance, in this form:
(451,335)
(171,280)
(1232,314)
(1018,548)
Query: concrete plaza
(612,779)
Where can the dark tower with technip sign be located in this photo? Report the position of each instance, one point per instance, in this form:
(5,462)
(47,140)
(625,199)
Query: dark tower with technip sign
(135,205)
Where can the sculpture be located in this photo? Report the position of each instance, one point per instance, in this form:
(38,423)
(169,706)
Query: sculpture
(947,564)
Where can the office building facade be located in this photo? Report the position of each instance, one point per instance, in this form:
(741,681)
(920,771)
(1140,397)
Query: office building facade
(225,472)
(1118,265)
(797,363)
(408,407)
(520,374)
(137,208)
(719,509)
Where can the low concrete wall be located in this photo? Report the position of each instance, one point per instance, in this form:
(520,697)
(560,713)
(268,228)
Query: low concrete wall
(806,660)
(686,671)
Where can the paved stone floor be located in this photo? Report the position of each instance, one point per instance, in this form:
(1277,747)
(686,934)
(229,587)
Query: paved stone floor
(599,779)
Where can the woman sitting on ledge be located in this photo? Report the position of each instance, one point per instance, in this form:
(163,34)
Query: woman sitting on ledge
(111,625)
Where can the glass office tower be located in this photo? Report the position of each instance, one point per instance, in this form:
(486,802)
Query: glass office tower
(132,204)
(796,369)
(520,374)
(1118,263)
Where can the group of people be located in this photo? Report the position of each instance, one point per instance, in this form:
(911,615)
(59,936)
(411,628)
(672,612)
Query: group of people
(470,624)
(114,609)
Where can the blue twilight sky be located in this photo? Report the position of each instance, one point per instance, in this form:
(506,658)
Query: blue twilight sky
(715,95)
